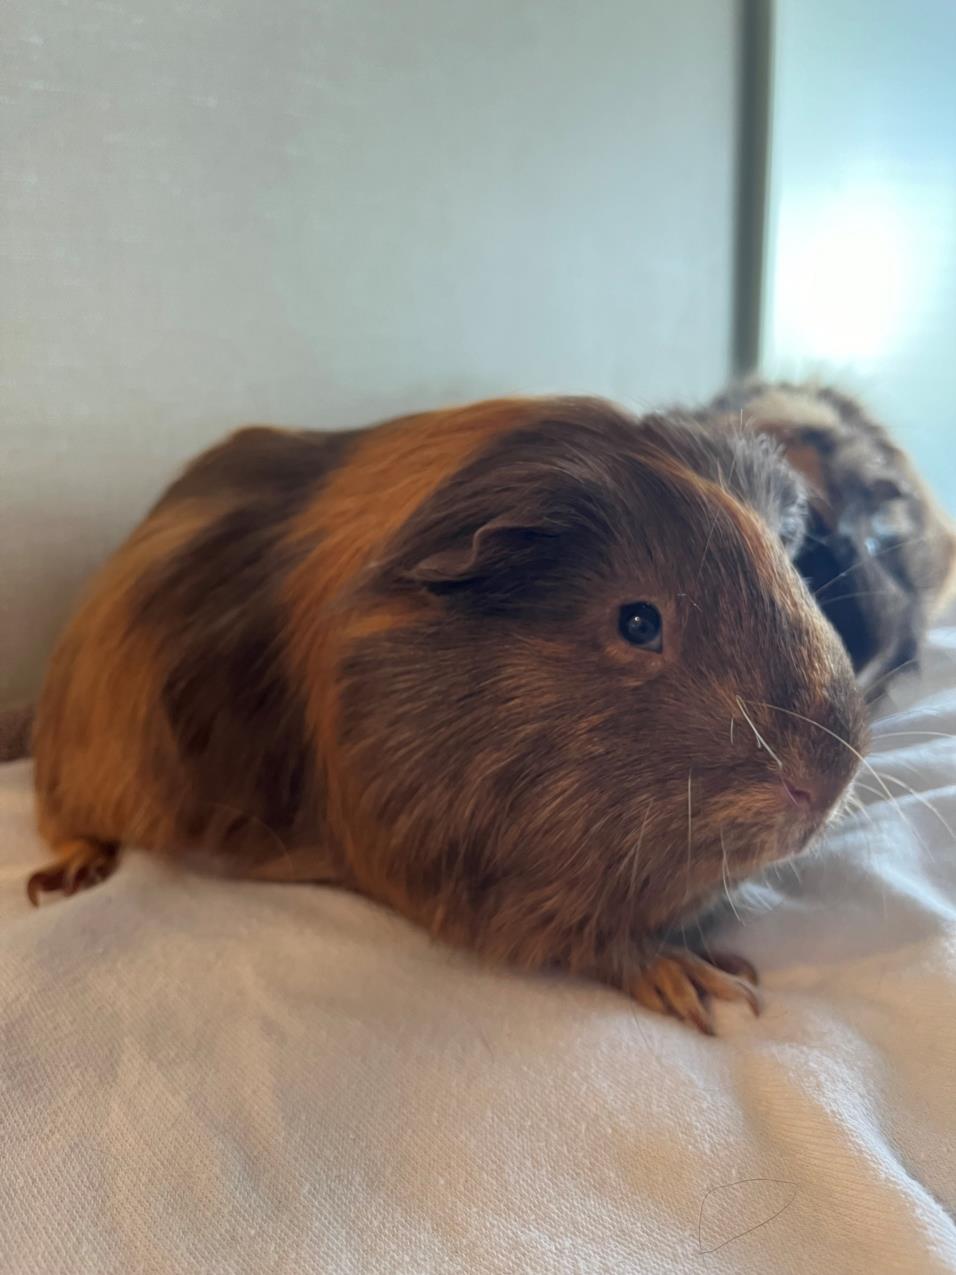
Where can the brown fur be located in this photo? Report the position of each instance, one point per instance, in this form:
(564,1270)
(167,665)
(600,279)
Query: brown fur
(391,659)
(880,554)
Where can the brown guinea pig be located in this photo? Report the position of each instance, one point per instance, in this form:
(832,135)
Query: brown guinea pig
(879,555)
(536,674)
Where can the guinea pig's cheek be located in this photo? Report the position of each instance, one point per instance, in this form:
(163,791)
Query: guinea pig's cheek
(638,667)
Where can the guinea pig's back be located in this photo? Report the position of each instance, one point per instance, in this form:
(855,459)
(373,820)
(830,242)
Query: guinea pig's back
(183,706)
(166,692)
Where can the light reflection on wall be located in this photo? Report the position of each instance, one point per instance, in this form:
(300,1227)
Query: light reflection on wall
(859,280)
(848,278)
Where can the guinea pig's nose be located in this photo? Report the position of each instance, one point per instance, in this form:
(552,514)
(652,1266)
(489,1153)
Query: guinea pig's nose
(799,796)
(813,794)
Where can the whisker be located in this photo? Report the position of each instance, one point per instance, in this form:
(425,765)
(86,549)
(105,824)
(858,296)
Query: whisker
(833,735)
(690,816)
(862,760)
(875,792)
(817,540)
(859,784)
(901,734)
(902,544)
(923,801)
(823,587)
(897,668)
(927,710)
(723,873)
(862,593)
(633,858)
(757,735)
(245,814)
(853,806)
(690,822)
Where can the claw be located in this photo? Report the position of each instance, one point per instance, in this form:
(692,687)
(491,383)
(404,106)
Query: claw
(681,983)
(739,966)
(81,864)
(42,883)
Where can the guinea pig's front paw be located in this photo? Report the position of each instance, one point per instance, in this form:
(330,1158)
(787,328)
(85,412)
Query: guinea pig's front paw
(80,863)
(681,983)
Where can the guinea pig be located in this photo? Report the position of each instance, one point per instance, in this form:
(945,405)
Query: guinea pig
(536,674)
(879,554)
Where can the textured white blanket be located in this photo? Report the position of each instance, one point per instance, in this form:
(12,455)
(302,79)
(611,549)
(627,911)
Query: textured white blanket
(211,1077)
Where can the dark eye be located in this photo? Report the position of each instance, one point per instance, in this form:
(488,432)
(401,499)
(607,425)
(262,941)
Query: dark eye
(640,624)
(884,490)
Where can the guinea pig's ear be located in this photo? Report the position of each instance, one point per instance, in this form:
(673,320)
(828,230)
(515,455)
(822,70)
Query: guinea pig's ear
(504,543)
(500,528)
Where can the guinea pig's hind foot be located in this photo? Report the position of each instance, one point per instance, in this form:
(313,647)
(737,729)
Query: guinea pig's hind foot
(79,864)
(681,983)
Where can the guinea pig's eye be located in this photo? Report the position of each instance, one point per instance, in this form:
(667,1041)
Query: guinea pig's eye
(884,490)
(640,624)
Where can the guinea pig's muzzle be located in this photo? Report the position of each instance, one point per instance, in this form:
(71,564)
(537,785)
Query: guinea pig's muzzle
(810,747)
(825,753)
(814,796)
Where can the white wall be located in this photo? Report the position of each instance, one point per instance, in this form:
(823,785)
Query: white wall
(325,212)
(861,246)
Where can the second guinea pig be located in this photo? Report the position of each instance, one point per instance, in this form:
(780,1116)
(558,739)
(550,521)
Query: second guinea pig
(537,674)
(878,554)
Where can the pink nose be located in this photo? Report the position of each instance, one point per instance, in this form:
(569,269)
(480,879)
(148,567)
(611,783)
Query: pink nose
(799,796)
(813,793)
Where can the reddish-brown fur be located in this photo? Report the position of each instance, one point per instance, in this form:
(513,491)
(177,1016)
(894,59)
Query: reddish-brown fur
(390,659)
